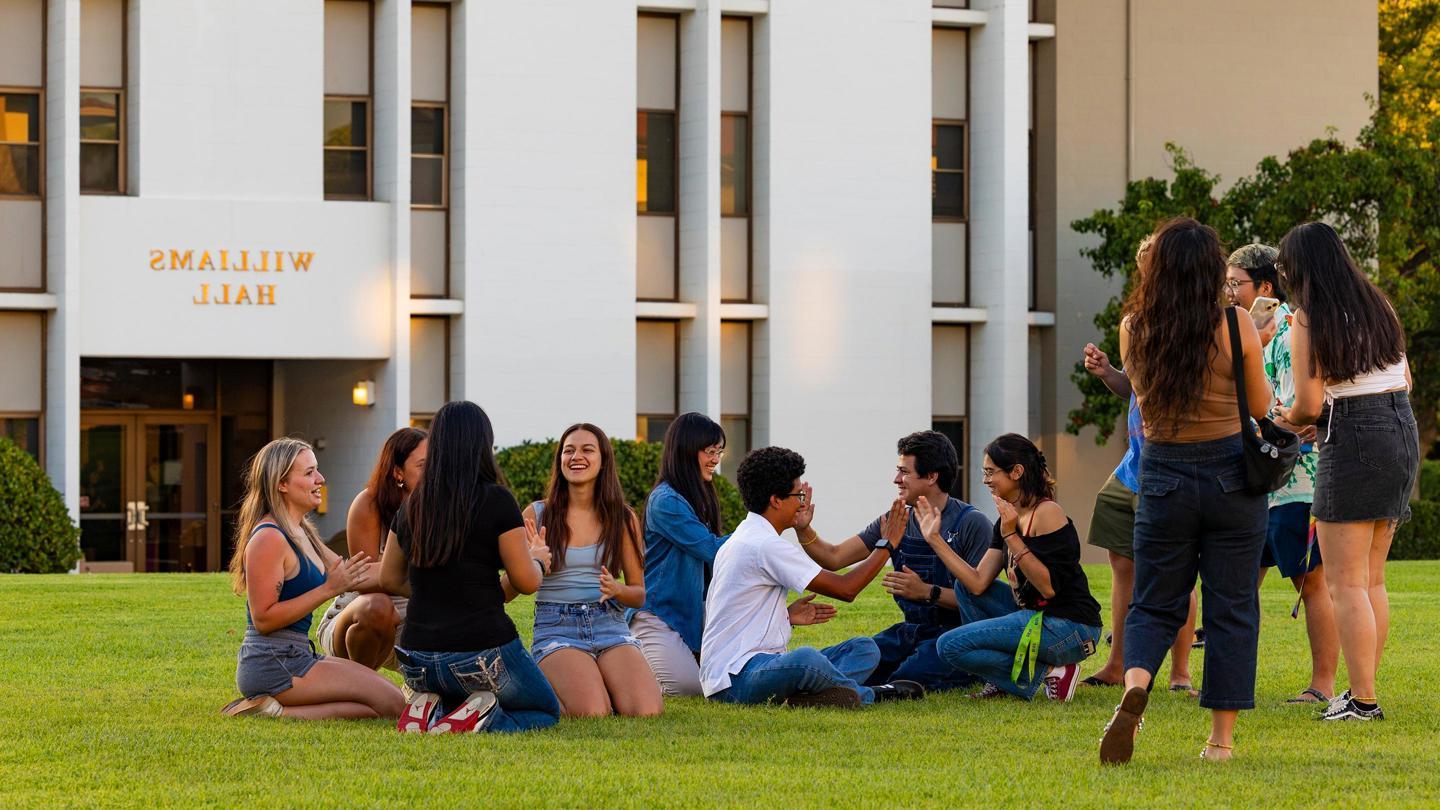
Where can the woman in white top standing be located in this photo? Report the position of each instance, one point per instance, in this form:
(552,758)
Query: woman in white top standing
(1351,378)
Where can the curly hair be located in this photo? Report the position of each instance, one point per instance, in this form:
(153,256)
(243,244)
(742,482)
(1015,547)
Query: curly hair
(1172,315)
(766,472)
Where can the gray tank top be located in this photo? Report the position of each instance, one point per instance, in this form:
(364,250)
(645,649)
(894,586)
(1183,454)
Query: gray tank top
(578,580)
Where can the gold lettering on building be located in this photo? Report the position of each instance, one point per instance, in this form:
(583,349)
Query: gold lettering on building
(174,259)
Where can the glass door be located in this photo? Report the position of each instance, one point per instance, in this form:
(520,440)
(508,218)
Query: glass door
(107,513)
(174,504)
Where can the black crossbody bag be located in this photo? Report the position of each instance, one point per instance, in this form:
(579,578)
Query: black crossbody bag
(1271,452)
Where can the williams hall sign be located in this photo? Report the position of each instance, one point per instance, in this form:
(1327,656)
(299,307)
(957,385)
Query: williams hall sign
(263,270)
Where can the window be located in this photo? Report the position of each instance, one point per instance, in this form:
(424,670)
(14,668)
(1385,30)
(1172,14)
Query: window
(20,142)
(348,47)
(102,152)
(954,430)
(947,166)
(734,164)
(347,149)
(22,367)
(657,376)
(735,353)
(949,390)
(655,158)
(427,155)
(24,431)
(429,366)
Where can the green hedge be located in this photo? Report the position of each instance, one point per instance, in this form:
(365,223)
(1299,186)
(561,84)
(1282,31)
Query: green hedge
(36,533)
(1430,480)
(1419,538)
(527,468)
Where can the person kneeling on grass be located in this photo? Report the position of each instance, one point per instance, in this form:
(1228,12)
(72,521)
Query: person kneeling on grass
(459,652)
(286,573)
(1057,621)
(743,656)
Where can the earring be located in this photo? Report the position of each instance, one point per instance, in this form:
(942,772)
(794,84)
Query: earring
(400,484)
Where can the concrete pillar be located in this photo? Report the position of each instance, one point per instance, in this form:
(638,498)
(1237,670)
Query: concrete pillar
(700,208)
(62,249)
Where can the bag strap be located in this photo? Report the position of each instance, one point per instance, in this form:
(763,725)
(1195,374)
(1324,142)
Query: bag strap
(1237,365)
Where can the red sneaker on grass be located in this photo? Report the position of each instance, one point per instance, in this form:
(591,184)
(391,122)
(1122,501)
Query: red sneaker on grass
(473,715)
(1062,682)
(416,717)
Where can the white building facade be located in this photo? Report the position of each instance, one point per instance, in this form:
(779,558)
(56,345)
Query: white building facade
(226,221)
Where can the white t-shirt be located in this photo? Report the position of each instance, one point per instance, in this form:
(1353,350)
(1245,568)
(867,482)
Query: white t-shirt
(745,611)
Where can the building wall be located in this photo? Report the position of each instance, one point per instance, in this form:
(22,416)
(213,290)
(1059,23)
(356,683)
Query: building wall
(1229,93)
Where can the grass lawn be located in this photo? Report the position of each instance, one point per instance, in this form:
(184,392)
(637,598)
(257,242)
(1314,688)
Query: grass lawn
(112,686)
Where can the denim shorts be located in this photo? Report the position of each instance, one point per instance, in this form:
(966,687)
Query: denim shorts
(1371,458)
(591,627)
(269,664)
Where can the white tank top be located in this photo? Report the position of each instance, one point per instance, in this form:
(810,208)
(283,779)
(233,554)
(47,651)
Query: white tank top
(1390,378)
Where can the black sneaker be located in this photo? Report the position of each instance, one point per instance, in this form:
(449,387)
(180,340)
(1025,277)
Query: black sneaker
(1350,710)
(898,690)
(838,697)
(1199,642)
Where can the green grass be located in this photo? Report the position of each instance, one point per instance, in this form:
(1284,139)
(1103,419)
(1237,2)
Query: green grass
(112,684)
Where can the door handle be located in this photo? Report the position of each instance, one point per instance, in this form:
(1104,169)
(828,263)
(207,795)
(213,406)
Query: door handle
(142,509)
(130,516)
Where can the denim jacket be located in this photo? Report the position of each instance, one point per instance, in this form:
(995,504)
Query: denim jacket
(678,552)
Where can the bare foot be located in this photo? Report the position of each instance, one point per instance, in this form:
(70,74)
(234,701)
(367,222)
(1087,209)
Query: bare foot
(1215,753)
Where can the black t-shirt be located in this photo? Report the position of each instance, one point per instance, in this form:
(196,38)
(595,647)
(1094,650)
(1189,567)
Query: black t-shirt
(459,606)
(1060,552)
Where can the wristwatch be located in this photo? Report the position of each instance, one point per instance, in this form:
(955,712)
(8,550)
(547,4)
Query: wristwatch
(885,544)
(934,595)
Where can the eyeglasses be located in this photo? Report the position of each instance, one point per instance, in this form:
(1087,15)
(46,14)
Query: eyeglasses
(1234,283)
(715,453)
(802,496)
(986,473)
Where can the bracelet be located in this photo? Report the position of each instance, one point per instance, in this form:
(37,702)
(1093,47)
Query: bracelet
(539,565)
(813,538)
(1005,537)
(1018,557)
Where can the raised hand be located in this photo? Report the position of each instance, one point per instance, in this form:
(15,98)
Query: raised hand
(929,520)
(892,524)
(806,512)
(906,584)
(345,575)
(609,586)
(805,611)
(539,549)
(1009,516)
(1097,362)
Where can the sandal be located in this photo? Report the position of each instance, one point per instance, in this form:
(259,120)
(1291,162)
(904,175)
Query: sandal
(1212,744)
(1188,689)
(1319,697)
(1118,744)
(1095,681)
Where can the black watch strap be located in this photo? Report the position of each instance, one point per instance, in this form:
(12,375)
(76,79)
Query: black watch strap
(934,595)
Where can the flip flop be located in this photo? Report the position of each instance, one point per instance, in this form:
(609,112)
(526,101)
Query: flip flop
(1312,692)
(1118,744)
(1094,681)
(1188,689)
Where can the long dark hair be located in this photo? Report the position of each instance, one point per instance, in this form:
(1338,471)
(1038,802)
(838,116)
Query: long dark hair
(1173,313)
(458,466)
(1353,328)
(616,518)
(1012,449)
(680,466)
(384,489)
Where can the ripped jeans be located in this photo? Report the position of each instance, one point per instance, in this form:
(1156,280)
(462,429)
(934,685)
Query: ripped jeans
(525,699)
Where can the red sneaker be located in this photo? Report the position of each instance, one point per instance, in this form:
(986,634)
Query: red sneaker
(473,715)
(416,717)
(1061,686)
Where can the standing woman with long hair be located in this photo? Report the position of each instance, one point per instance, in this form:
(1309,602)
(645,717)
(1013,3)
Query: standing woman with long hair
(285,573)
(682,534)
(581,640)
(459,652)
(1352,379)
(365,626)
(1195,512)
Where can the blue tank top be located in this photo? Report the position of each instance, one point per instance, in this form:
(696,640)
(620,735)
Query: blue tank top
(578,580)
(308,579)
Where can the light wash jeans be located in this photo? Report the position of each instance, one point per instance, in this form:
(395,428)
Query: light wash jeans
(775,676)
(987,648)
(525,699)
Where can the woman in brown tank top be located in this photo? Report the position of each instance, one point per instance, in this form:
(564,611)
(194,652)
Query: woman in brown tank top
(1195,515)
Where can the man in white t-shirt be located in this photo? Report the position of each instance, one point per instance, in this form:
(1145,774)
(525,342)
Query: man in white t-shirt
(743,657)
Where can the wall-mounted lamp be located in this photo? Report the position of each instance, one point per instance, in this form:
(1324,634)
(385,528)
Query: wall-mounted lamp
(363,394)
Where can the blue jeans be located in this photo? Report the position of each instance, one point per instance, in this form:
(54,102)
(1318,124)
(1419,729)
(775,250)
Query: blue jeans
(907,649)
(987,648)
(525,699)
(776,676)
(1195,516)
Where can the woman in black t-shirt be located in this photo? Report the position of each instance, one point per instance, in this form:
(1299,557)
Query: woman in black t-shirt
(1057,622)
(459,652)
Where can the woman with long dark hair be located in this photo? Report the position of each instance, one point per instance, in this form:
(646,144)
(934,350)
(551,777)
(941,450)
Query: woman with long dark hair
(364,627)
(581,640)
(682,534)
(459,652)
(1352,379)
(1056,622)
(1195,512)
(285,572)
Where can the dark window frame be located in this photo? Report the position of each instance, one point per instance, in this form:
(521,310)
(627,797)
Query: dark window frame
(367,148)
(120,143)
(963,171)
(674,111)
(39,94)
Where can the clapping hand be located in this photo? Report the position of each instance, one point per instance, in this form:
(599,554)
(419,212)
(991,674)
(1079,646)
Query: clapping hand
(806,611)
(806,512)
(906,584)
(929,519)
(892,524)
(609,586)
(1008,515)
(539,549)
(344,575)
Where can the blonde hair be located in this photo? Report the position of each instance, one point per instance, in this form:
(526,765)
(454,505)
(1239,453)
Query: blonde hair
(262,497)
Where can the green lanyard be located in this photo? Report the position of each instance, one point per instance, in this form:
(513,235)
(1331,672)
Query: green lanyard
(1029,647)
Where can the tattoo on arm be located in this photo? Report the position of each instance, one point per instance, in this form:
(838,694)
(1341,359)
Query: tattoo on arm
(279,586)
